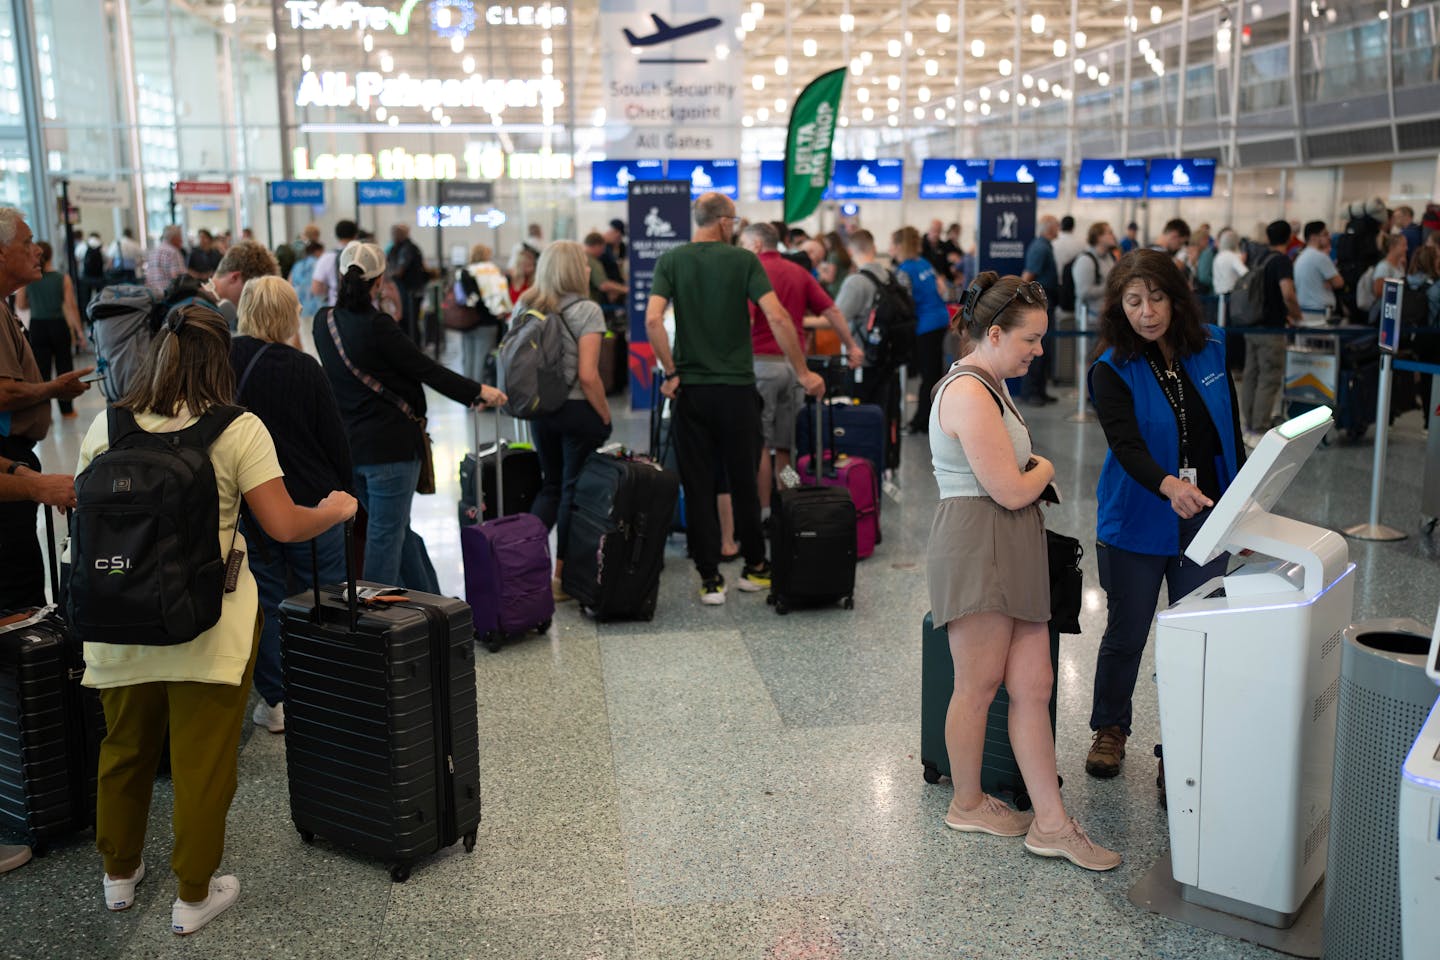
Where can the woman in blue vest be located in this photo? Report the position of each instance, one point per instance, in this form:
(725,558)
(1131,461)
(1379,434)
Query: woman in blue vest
(1167,404)
(932,317)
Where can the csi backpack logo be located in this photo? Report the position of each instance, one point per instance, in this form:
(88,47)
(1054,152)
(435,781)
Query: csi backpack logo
(111,566)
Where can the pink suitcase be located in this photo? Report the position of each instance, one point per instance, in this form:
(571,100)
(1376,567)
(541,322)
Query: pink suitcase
(857,475)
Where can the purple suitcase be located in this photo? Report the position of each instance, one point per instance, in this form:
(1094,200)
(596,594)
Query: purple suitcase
(507,571)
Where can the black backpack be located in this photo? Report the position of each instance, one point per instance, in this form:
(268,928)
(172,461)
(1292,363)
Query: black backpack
(93,266)
(1245,305)
(1065,299)
(890,329)
(145,561)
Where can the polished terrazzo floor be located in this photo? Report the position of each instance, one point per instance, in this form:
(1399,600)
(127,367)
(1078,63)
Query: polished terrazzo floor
(721,782)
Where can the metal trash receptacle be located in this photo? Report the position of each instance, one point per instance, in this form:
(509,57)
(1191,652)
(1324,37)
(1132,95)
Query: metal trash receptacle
(1384,697)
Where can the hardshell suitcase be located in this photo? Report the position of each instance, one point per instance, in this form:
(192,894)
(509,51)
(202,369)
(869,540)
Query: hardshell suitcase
(50,726)
(857,476)
(507,572)
(620,522)
(858,429)
(999,772)
(382,741)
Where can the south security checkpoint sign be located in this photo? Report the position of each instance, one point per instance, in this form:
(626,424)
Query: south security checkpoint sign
(882,179)
(1045,174)
(611,179)
(720,176)
(1111,179)
(297,193)
(942,179)
(1194,177)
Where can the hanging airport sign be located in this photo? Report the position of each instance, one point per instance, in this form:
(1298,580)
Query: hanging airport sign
(882,179)
(297,192)
(480,161)
(370,88)
(942,179)
(369,193)
(1185,177)
(1111,179)
(447,17)
(467,192)
(458,215)
(659,217)
(196,193)
(99,193)
(772,179)
(611,179)
(1045,174)
(1006,227)
(671,79)
(719,176)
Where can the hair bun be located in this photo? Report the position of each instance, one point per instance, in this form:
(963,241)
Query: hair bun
(974,292)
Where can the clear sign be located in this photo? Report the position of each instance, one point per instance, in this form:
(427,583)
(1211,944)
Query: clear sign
(611,179)
(882,179)
(1186,177)
(1392,298)
(721,176)
(291,192)
(1045,174)
(1106,179)
(379,192)
(772,179)
(942,179)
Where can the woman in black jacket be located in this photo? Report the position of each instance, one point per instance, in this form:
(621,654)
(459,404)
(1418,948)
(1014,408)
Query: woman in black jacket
(379,377)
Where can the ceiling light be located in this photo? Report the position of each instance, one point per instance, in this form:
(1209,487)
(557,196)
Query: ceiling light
(722,52)
(387,62)
(924,94)
(1079,64)
(847,22)
(779,105)
(969,106)
(394,121)
(939,113)
(229,13)
(985,109)
(457,42)
(1144,45)
(1027,81)
(1080,39)
(867,114)
(757,10)
(468,64)
(984,93)
(747,21)
(758,82)
(892,104)
(762,114)
(368,42)
(844,121)
(810,47)
(445,121)
(1155,14)
(942,23)
(782,66)
(270,41)
(442,17)
(547,66)
(932,68)
(919,113)
(894,49)
(863,94)
(893,82)
(866,57)
(977,48)
(894,121)
(547,46)
(1104,79)
(857,67)
(1104,58)
(381,113)
(1004,95)
(597,119)
(747,121)
(1037,23)
(305,62)
(436,114)
(1043,84)
(1059,48)
(909,39)
(1005,67)
(1021,99)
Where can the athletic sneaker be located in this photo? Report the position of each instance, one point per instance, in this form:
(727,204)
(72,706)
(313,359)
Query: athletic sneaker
(271,718)
(712,591)
(120,894)
(992,816)
(186,917)
(756,578)
(1071,843)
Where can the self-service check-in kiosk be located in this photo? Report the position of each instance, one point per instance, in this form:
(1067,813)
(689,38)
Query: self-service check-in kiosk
(1248,668)
(1419,823)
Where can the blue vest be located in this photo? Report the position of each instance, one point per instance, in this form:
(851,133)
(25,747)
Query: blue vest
(1129,516)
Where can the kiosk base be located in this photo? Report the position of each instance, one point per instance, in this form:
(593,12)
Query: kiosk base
(1158,892)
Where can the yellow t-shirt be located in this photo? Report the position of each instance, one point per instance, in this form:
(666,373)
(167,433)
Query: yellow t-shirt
(244,457)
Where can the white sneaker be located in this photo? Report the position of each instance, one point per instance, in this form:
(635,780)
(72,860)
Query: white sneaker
(271,718)
(186,918)
(120,894)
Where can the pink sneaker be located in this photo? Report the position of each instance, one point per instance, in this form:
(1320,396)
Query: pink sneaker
(1071,843)
(991,816)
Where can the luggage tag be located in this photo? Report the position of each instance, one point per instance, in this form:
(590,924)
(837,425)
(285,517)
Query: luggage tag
(1189,475)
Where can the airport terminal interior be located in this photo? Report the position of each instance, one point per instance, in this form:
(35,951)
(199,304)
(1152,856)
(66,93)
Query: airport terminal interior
(723,781)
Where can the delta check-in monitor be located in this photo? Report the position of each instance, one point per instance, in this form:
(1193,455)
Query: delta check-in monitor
(1182,177)
(611,179)
(1045,174)
(953,179)
(1111,179)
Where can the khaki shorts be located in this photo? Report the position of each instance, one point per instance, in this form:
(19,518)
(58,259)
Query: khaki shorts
(782,395)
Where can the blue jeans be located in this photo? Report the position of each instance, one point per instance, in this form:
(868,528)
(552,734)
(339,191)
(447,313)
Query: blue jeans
(563,440)
(394,554)
(1131,582)
(282,570)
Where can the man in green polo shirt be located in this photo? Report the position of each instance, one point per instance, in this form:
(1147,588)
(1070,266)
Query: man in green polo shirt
(711,378)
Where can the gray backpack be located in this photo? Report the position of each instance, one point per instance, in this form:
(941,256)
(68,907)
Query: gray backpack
(532,364)
(123,318)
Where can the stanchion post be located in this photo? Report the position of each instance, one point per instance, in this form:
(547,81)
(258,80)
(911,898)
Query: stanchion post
(269,220)
(1082,412)
(1374,529)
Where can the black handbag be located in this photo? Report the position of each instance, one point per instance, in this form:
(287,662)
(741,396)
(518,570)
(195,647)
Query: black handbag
(1065,581)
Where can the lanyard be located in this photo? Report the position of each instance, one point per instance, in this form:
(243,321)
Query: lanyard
(1174,389)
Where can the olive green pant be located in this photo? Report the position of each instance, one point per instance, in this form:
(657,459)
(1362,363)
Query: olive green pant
(204,720)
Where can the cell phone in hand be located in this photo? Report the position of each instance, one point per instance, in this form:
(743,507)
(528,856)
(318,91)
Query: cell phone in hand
(1051,494)
(95,377)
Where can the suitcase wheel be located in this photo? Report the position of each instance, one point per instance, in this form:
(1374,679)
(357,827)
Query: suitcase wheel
(470,841)
(491,641)
(544,627)
(1022,799)
(932,773)
(400,872)
(306,836)
(848,603)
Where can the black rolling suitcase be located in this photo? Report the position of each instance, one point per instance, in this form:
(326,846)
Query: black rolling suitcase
(522,480)
(50,726)
(382,742)
(618,529)
(812,542)
(999,773)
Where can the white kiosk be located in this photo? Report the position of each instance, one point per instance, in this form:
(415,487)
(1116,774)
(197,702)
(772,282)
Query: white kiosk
(1420,831)
(1248,668)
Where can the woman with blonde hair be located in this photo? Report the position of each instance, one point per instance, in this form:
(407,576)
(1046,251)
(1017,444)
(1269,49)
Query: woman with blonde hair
(288,391)
(197,689)
(564,439)
(485,291)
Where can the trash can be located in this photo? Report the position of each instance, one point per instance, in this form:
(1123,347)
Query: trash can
(1384,698)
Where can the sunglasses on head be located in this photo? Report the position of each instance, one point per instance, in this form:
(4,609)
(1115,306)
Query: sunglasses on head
(1031,292)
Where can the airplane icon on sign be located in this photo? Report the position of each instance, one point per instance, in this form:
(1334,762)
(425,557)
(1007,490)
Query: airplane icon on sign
(664,32)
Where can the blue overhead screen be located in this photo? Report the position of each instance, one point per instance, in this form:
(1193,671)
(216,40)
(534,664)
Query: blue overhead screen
(1193,177)
(721,176)
(610,179)
(882,179)
(1109,179)
(1045,174)
(942,179)
(772,179)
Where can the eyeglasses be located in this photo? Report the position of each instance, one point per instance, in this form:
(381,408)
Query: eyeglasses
(1030,292)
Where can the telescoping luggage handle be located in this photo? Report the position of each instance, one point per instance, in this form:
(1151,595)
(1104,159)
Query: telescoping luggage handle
(54,559)
(352,601)
(500,445)
(819,460)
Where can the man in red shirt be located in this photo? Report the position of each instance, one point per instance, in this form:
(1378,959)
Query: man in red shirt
(800,294)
